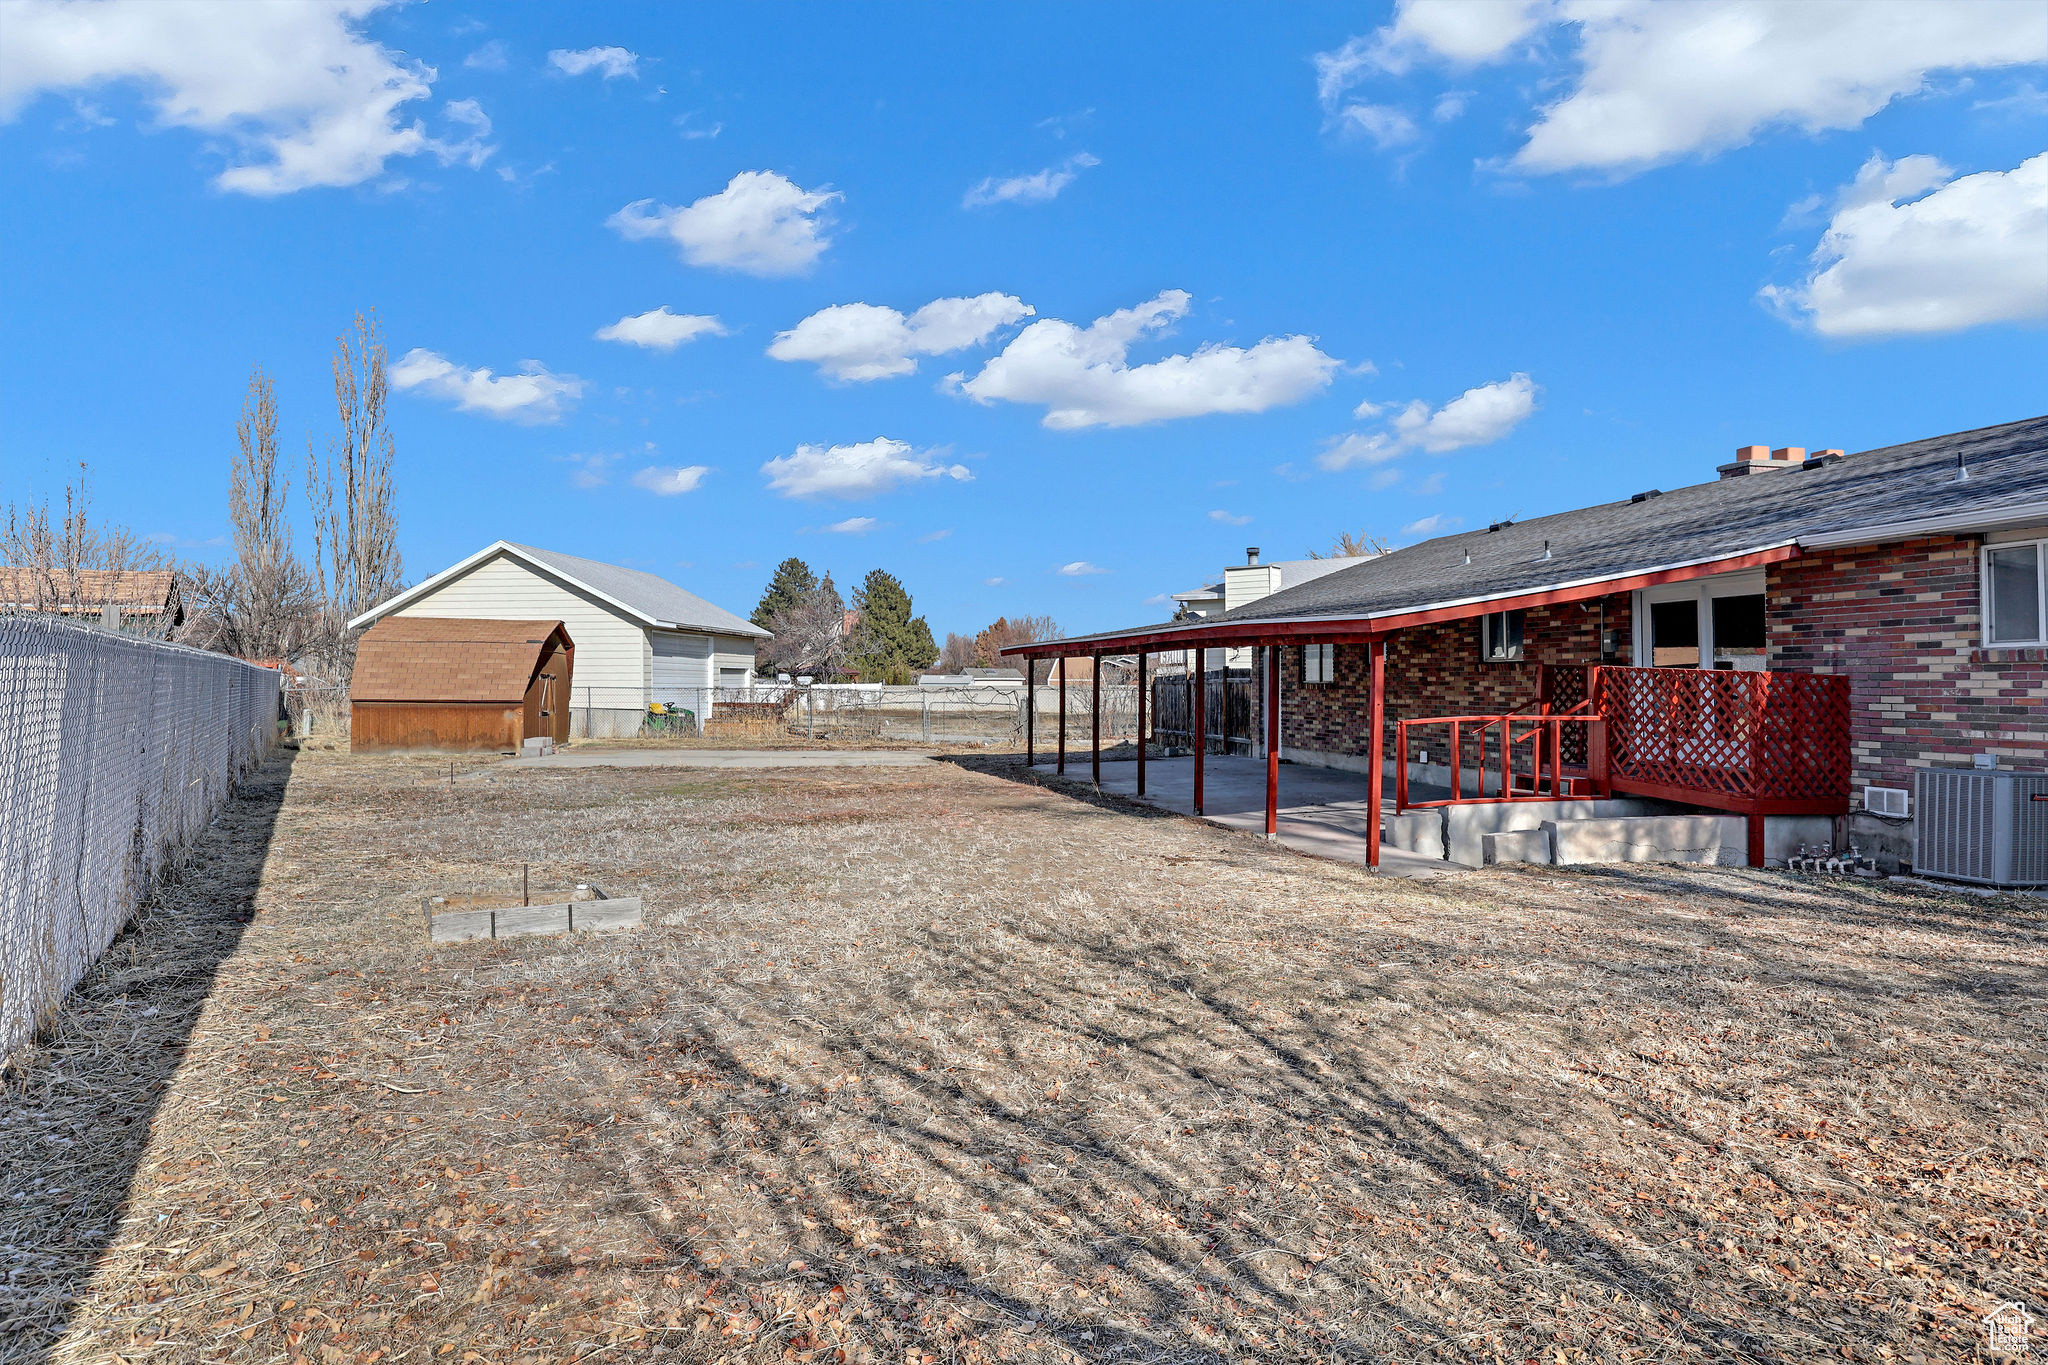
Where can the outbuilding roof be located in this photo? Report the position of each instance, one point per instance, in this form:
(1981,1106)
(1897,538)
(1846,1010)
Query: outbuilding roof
(1971,480)
(93,589)
(648,598)
(444,659)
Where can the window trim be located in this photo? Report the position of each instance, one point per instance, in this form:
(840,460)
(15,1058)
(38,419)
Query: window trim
(1514,656)
(1986,594)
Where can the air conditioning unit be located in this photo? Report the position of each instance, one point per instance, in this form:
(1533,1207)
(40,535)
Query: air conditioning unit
(1978,825)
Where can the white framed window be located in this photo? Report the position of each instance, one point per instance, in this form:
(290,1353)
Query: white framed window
(1500,637)
(2015,578)
(1318,663)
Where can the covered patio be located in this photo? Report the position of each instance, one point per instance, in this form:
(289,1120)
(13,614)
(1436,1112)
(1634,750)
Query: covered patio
(1323,811)
(1565,729)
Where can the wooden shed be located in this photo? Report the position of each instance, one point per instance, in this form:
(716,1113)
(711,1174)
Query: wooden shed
(429,682)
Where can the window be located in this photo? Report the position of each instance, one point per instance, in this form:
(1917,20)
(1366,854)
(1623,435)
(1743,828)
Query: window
(1675,634)
(1739,631)
(1500,637)
(1318,663)
(2016,594)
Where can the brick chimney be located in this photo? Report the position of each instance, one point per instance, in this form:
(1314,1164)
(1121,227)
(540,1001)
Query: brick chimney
(1762,460)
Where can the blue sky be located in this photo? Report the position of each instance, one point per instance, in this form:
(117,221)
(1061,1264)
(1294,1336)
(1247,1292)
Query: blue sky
(1290,270)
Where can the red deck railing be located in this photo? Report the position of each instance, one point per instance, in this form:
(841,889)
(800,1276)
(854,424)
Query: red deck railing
(1756,743)
(1761,743)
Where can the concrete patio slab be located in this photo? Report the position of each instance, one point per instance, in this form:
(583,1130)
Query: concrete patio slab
(1322,810)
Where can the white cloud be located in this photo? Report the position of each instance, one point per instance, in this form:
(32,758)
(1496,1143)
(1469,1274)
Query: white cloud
(1029,189)
(1383,478)
(670,481)
(760,223)
(1082,377)
(1656,82)
(302,95)
(933,536)
(609,62)
(853,526)
(1345,451)
(1383,123)
(855,471)
(1476,417)
(862,341)
(995,582)
(1429,487)
(1974,251)
(533,395)
(593,470)
(1368,408)
(661,330)
(1450,105)
(1081,568)
(492,56)
(1437,525)
(1229,518)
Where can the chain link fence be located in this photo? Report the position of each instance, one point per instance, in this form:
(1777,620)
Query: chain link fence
(984,714)
(115,752)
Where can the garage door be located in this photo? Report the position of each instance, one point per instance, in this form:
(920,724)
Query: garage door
(679,666)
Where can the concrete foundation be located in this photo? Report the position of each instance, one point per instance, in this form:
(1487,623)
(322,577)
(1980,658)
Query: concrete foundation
(605,722)
(1419,831)
(1517,845)
(1465,826)
(1711,839)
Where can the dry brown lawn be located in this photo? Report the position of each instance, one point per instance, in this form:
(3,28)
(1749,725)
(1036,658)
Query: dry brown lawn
(931,1064)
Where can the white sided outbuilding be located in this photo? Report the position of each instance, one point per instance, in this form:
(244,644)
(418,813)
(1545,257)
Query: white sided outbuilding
(640,639)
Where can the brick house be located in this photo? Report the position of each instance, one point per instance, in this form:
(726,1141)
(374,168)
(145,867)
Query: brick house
(1699,626)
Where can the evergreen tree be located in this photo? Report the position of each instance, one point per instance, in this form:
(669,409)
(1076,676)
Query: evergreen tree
(793,580)
(889,644)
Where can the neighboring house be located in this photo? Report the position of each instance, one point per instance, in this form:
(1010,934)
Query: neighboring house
(640,639)
(427,682)
(1692,624)
(1246,583)
(146,602)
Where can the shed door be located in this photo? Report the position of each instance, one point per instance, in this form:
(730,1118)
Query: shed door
(678,666)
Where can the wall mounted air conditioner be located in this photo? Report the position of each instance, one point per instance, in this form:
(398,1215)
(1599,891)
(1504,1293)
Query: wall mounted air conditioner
(1979,825)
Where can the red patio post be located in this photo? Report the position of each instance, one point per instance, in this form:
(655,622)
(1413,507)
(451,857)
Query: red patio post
(1201,721)
(1062,665)
(1095,717)
(1141,722)
(1376,718)
(1272,740)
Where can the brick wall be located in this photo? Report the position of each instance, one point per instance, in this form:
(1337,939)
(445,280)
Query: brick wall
(1904,622)
(1436,671)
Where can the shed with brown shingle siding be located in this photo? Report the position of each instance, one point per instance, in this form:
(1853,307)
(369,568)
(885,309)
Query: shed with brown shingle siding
(429,682)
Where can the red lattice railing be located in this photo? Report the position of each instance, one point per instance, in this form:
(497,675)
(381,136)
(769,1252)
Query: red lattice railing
(1764,742)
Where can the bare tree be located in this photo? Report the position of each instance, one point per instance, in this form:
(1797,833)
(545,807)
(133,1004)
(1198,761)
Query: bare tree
(809,634)
(355,525)
(958,653)
(1348,546)
(265,602)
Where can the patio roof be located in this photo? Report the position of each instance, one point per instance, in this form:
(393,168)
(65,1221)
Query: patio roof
(1649,539)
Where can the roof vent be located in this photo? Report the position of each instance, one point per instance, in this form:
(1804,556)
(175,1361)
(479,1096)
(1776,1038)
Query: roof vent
(1647,495)
(1545,555)
(1500,525)
(1822,458)
(1251,554)
(1468,558)
(1962,469)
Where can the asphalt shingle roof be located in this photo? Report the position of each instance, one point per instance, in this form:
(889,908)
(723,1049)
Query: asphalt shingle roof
(646,593)
(2008,468)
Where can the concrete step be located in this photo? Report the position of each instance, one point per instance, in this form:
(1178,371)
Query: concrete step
(1709,839)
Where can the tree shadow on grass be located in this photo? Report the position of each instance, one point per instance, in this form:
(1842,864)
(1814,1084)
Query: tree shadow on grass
(75,1118)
